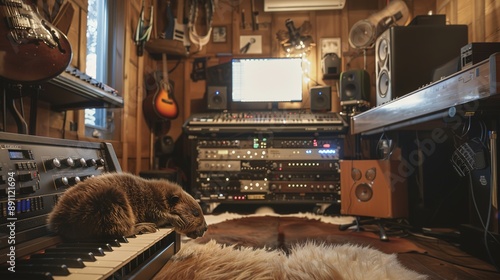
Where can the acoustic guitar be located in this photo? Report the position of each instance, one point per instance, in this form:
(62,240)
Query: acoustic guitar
(161,105)
(32,49)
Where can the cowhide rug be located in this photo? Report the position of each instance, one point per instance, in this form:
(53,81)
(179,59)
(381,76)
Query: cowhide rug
(274,247)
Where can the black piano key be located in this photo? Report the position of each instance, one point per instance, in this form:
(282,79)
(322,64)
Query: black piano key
(105,246)
(95,251)
(85,256)
(56,270)
(114,242)
(70,262)
(26,275)
(124,239)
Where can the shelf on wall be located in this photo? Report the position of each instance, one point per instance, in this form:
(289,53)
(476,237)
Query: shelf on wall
(170,47)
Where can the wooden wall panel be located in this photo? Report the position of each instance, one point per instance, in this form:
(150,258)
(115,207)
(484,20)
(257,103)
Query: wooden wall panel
(492,21)
(133,144)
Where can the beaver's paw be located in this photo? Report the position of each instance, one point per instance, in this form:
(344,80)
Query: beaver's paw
(141,228)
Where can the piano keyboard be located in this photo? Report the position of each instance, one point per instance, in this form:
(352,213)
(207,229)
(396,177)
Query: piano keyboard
(140,257)
(29,161)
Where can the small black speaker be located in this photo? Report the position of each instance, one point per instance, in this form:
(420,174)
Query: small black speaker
(165,145)
(330,66)
(354,86)
(217,98)
(321,99)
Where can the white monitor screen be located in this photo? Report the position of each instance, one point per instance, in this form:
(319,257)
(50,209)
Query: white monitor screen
(266,79)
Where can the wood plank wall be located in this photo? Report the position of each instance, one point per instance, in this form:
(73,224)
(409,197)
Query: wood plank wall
(133,140)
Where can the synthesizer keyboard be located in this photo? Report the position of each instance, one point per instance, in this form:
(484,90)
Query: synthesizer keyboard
(272,121)
(34,172)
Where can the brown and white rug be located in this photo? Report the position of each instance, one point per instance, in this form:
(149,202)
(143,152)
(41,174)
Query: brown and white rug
(288,247)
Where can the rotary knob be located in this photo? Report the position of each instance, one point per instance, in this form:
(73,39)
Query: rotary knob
(91,162)
(81,162)
(100,162)
(62,182)
(74,180)
(83,178)
(68,162)
(52,163)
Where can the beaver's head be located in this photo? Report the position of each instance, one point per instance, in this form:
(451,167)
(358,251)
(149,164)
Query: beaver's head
(185,214)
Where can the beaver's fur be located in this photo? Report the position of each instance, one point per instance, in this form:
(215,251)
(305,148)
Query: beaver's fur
(122,204)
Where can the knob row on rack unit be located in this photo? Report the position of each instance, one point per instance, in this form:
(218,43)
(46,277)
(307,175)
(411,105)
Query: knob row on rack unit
(65,182)
(73,163)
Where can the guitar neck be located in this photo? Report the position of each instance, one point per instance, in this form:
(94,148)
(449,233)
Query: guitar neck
(165,68)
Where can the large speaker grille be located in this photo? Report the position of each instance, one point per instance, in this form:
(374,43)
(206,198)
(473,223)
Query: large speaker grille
(383,66)
(406,57)
(373,188)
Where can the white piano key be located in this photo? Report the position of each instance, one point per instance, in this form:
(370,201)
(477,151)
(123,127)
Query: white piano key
(120,256)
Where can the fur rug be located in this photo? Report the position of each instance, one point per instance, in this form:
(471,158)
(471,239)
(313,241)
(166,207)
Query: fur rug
(305,261)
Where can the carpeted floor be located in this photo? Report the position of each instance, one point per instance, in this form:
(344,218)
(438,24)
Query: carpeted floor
(276,232)
(287,247)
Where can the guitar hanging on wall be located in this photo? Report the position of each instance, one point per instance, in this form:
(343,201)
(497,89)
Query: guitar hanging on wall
(161,105)
(31,49)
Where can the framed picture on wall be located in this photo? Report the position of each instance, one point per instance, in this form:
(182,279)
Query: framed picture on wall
(219,34)
(251,44)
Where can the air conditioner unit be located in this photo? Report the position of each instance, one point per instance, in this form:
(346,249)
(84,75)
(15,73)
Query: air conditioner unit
(302,5)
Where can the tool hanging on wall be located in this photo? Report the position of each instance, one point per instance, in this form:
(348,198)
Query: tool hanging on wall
(209,5)
(143,31)
(255,17)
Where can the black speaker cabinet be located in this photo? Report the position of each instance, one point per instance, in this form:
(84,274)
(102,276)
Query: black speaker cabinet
(219,74)
(217,98)
(321,99)
(406,56)
(354,86)
(373,188)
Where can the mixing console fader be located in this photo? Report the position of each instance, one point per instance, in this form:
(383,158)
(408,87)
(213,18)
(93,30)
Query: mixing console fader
(267,168)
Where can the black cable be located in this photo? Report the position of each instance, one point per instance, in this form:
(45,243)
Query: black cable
(65,117)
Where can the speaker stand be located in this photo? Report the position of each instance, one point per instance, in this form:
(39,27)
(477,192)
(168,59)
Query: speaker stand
(358,222)
(354,107)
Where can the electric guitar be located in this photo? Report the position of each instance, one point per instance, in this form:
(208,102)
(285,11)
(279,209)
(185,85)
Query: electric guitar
(32,49)
(162,104)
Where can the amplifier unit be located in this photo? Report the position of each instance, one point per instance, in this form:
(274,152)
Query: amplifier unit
(473,53)
(266,168)
(35,171)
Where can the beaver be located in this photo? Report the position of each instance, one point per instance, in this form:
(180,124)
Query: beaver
(122,204)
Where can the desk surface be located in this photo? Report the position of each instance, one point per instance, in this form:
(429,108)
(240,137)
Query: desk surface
(440,99)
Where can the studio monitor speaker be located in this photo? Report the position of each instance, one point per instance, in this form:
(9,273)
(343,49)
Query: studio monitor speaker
(407,56)
(373,188)
(217,98)
(354,86)
(321,99)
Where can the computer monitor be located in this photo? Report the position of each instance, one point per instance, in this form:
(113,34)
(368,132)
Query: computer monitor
(272,80)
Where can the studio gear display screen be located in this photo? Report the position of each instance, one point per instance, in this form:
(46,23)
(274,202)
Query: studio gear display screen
(267,80)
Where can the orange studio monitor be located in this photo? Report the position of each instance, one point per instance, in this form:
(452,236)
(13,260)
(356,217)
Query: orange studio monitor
(373,188)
